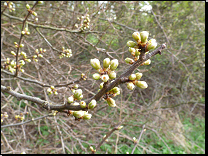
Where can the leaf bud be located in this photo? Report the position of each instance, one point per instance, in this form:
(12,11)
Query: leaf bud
(96,76)
(144,35)
(114,64)
(106,62)
(95,63)
(131,44)
(141,84)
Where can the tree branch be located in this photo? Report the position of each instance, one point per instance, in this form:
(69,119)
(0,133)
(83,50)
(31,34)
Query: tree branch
(106,88)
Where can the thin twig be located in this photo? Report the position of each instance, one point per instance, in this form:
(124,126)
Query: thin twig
(21,123)
(132,152)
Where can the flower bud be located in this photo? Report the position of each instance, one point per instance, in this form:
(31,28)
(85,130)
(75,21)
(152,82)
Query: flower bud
(141,84)
(135,140)
(40,55)
(22,62)
(120,127)
(138,75)
(132,50)
(77,93)
(130,85)
(147,62)
(115,90)
(106,62)
(87,116)
(21,45)
(75,104)
(104,78)
(111,102)
(101,85)
(96,76)
(27,6)
(13,53)
(152,44)
(114,64)
(35,13)
(92,104)
(70,99)
(137,53)
(136,36)
(78,114)
(131,44)
(112,75)
(83,104)
(28,60)
(144,35)
(80,97)
(49,90)
(23,32)
(129,60)
(95,63)
(132,77)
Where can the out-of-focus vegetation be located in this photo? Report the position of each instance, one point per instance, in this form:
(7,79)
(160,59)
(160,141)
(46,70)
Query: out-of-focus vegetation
(172,108)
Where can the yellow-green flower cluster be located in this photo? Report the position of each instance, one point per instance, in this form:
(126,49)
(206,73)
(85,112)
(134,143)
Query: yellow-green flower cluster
(85,22)
(112,93)
(26,31)
(141,42)
(31,11)
(108,70)
(19,117)
(3,116)
(9,5)
(11,65)
(65,53)
(52,90)
(38,54)
(133,80)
